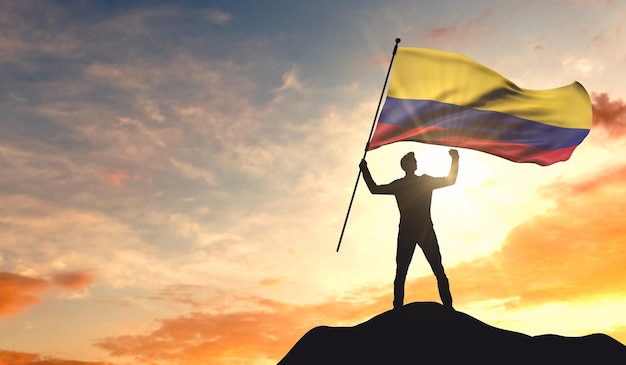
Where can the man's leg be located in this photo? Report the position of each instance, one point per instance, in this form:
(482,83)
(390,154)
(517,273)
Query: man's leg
(430,246)
(404,254)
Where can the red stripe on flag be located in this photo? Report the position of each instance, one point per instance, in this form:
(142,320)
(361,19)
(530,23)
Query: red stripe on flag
(516,152)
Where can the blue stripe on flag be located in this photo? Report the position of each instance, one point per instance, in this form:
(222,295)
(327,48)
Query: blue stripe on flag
(479,124)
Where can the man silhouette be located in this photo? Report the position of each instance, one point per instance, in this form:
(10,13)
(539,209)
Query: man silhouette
(414,194)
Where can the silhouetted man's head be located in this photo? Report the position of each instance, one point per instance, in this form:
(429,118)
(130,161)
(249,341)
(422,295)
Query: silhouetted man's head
(408,163)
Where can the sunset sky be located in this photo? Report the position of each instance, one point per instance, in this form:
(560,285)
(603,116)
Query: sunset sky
(175,176)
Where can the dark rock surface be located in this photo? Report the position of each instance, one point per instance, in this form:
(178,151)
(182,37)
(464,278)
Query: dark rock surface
(429,333)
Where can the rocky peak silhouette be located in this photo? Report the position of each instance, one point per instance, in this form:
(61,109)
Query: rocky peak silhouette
(429,332)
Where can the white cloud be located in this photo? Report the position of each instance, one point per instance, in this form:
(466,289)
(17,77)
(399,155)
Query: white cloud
(47,237)
(193,172)
(291,81)
(586,67)
(217,16)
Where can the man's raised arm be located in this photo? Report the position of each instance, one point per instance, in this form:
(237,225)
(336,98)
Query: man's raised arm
(371,185)
(454,166)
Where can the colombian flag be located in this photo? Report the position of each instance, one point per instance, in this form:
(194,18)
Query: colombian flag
(448,99)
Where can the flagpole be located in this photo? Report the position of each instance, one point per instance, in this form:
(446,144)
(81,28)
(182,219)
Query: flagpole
(358,176)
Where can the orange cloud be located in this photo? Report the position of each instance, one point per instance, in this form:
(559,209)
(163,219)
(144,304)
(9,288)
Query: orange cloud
(462,32)
(119,178)
(266,333)
(270,282)
(380,61)
(442,34)
(18,292)
(116,178)
(21,358)
(609,114)
(182,294)
(575,252)
(607,37)
(73,280)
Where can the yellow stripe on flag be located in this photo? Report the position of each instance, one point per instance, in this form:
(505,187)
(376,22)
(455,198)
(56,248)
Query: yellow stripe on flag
(425,74)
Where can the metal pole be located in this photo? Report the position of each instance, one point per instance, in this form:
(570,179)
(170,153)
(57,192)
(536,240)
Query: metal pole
(358,176)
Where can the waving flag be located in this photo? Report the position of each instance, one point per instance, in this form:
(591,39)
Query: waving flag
(448,99)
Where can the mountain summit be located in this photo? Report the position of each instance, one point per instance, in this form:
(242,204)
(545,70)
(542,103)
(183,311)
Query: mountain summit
(427,332)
